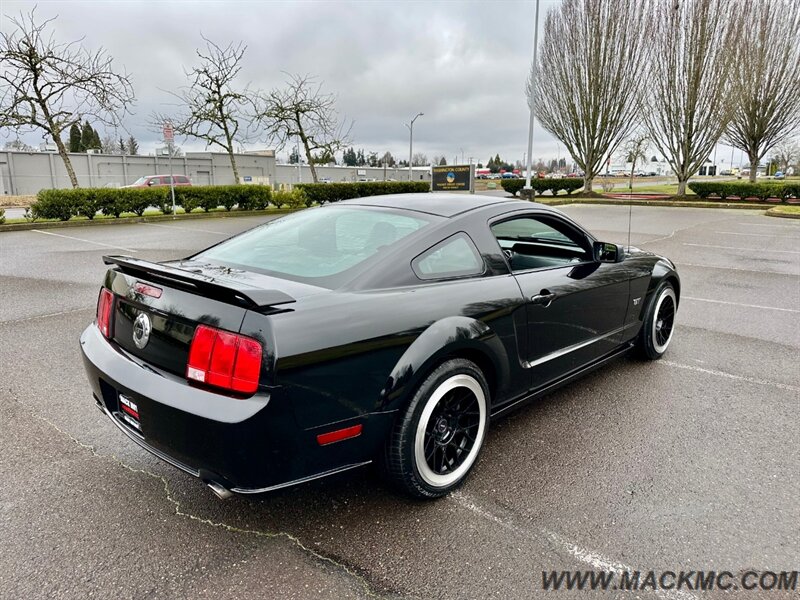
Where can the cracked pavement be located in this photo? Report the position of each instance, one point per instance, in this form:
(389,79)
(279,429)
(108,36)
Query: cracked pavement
(687,463)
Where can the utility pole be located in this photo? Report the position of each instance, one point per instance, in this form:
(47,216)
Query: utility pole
(411,143)
(534,68)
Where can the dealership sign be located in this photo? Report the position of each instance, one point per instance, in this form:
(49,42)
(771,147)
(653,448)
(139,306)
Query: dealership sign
(454,178)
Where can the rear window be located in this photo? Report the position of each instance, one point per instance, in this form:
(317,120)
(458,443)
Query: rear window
(317,246)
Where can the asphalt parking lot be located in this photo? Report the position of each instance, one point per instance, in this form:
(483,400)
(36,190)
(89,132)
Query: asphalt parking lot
(691,462)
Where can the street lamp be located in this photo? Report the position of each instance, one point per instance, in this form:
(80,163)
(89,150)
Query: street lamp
(534,68)
(411,142)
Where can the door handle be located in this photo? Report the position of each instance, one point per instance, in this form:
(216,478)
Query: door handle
(544,298)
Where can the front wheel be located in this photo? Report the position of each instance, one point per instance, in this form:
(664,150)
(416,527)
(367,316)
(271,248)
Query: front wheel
(659,323)
(435,443)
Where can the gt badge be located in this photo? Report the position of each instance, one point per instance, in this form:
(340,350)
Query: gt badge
(141,330)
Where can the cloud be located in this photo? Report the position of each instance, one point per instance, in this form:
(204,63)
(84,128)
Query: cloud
(463,64)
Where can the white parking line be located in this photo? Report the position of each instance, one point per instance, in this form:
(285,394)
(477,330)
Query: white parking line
(767,235)
(77,239)
(684,264)
(795,227)
(746,249)
(758,306)
(593,559)
(780,386)
(186,228)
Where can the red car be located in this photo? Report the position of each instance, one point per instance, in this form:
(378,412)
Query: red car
(159,180)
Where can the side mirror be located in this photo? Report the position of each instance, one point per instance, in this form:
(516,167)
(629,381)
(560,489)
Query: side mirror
(608,253)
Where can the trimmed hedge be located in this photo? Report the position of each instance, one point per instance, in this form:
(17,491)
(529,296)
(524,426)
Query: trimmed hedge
(294,199)
(761,191)
(2,215)
(540,186)
(334,192)
(67,203)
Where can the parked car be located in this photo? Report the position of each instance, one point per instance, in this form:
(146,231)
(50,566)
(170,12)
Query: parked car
(391,329)
(509,176)
(159,180)
(779,175)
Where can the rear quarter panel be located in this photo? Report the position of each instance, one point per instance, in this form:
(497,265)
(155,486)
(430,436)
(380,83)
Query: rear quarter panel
(347,354)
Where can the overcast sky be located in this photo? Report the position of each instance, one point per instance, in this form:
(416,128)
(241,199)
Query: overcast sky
(463,64)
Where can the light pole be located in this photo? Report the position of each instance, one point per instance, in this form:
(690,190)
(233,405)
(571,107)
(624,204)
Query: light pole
(411,142)
(534,68)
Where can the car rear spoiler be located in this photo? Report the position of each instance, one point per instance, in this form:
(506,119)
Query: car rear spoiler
(224,289)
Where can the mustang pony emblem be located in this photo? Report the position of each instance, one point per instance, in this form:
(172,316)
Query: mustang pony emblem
(141,330)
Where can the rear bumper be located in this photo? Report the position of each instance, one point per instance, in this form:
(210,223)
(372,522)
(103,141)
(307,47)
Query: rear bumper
(248,446)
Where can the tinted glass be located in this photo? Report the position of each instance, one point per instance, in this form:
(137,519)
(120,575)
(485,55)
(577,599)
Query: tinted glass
(454,257)
(527,229)
(317,245)
(540,243)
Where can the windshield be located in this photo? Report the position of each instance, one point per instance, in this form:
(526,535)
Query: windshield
(140,181)
(317,246)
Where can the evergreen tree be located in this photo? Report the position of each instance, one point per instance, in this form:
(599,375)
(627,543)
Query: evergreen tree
(74,138)
(349,157)
(122,148)
(387,159)
(87,137)
(294,156)
(97,144)
(360,160)
(442,161)
(372,159)
(132,146)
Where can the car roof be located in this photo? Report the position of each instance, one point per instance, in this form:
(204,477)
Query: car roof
(440,204)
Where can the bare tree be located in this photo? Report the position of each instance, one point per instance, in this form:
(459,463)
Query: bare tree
(786,154)
(48,85)
(19,146)
(767,78)
(687,100)
(217,110)
(419,160)
(109,144)
(302,110)
(636,152)
(590,61)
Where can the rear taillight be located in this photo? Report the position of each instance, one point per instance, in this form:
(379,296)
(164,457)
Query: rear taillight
(105,303)
(225,360)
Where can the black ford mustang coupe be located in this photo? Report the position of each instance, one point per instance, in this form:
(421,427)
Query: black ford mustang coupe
(387,329)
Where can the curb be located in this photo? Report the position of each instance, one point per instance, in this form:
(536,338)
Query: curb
(781,215)
(147,219)
(662,203)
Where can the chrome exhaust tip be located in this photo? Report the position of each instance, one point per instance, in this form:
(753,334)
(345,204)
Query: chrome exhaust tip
(219,490)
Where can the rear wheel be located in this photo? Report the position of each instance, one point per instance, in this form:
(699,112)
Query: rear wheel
(659,323)
(435,443)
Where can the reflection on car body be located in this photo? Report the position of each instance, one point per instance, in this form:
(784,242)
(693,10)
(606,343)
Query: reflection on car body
(389,329)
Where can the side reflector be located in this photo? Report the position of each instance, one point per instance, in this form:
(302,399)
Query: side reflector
(105,304)
(225,360)
(323,439)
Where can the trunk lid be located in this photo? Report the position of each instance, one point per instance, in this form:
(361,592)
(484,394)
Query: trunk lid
(178,296)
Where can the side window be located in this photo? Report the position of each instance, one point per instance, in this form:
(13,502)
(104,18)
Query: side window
(181,179)
(533,242)
(454,257)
